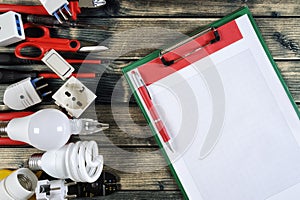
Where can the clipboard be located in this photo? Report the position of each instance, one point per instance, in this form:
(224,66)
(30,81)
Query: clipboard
(232,123)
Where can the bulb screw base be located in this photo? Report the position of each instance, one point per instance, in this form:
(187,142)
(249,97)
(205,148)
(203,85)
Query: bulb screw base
(3,126)
(34,162)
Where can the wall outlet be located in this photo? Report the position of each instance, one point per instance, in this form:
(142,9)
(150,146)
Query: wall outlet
(74,96)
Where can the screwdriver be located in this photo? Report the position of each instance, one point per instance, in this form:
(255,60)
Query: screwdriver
(11,76)
(11,59)
(50,21)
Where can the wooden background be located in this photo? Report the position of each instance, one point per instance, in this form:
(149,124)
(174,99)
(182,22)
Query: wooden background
(148,177)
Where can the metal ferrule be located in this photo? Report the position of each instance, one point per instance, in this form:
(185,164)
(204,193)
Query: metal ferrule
(34,162)
(3,126)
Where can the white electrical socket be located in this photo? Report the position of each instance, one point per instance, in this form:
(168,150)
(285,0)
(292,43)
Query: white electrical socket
(11,28)
(74,96)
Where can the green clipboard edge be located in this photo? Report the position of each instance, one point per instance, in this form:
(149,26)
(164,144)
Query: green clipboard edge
(242,11)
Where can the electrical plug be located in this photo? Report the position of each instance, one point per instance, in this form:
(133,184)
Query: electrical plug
(24,94)
(53,190)
(53,7)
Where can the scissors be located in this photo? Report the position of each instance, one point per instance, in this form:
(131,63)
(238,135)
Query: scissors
(5,141)
(38,36)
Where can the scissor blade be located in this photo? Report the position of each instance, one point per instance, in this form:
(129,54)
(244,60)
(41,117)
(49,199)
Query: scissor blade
(93,49)
(91,3)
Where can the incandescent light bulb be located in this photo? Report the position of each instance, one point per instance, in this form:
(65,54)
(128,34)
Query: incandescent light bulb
(49,129)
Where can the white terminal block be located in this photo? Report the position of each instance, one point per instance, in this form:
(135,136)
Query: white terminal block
(58,64)
(11,28)
(74,96)
(18,185)
(52,6)
(21,95)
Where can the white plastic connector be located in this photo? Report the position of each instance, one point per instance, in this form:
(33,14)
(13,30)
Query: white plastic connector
(58,64)
(22,94)
(18,185)
(53,190)
(74,97)
(11,28)
(53,7)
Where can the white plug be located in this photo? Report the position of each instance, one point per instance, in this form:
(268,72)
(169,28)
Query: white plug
(18,185)
(74,97)
(53,190)
(53,7)
(11,28)
(23,94)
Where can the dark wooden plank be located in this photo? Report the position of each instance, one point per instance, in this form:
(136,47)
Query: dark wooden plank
(196,8)
(136,171)
(133,38)
(113,87)
(138,195)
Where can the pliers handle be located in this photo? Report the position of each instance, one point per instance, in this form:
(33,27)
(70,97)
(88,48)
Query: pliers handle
(5,141)
(38,9)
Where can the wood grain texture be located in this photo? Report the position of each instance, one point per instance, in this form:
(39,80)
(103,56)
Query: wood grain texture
(136,28)
(112,87)
(191,8)
(133,38)
(141,195)
(136,172)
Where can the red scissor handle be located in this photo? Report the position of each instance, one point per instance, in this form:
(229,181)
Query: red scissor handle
(45,43)
(38,9)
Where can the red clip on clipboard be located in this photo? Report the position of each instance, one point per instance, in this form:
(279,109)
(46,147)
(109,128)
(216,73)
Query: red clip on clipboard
(228,33)
(233,126)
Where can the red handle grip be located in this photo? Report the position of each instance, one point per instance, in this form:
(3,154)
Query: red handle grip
(10,115)
(8,142)
(30,10)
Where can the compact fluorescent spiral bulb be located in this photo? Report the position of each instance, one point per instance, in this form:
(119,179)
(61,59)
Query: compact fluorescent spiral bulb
(79,162)
(20,184)
(47,129)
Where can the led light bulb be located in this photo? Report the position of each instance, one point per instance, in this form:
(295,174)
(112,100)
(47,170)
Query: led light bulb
(79,162)
(49,129)
(18,185)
